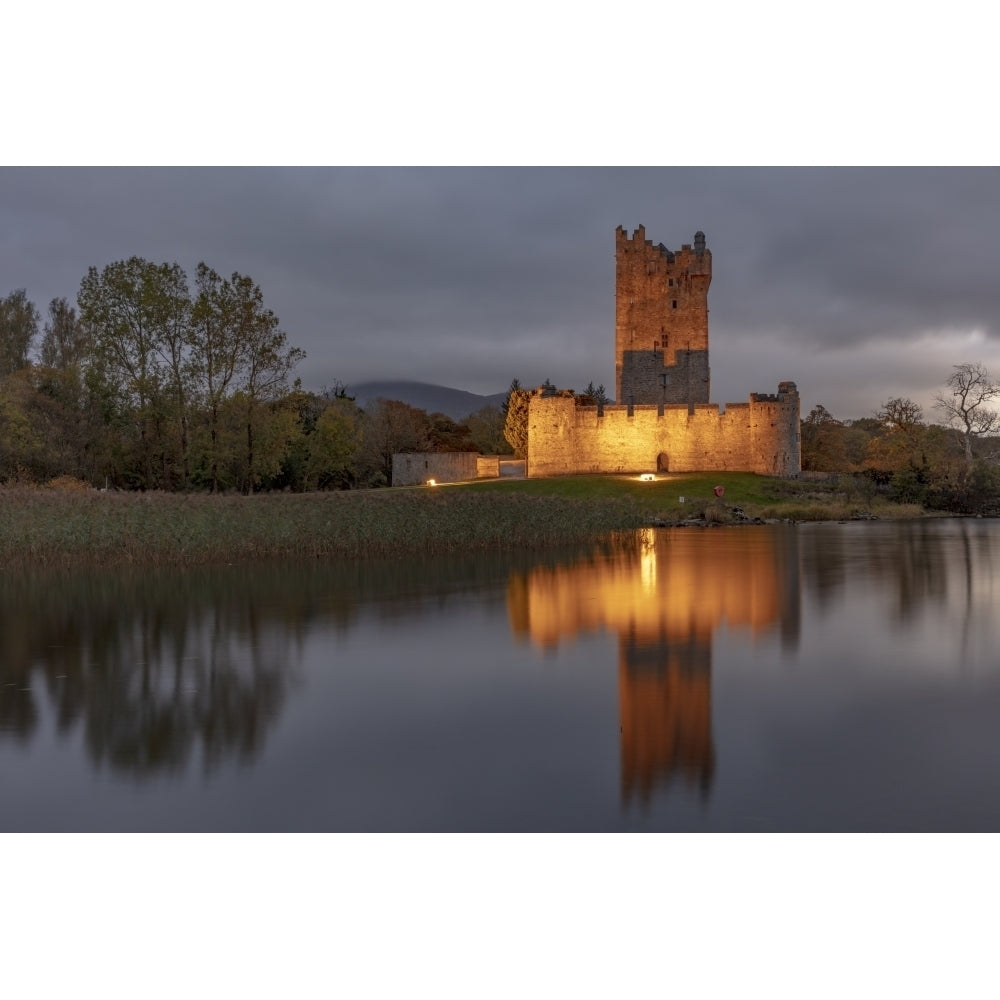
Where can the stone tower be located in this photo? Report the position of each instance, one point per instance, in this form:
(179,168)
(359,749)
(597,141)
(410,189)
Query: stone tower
(661,320)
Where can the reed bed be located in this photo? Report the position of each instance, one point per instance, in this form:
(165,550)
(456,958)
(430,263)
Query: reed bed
(49,527)
(833,511)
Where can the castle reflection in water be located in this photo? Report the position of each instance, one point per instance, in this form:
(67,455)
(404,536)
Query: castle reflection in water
(665,601)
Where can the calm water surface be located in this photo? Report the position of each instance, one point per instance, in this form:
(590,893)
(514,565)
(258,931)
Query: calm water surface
(819,677)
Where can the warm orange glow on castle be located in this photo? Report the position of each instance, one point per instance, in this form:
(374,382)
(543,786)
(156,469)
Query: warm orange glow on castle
(662,418)
(664,602)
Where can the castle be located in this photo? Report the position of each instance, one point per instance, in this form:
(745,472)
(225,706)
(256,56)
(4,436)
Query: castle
(663,420)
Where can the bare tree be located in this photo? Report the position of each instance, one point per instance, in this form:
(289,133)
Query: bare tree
(900,414)
(966,406)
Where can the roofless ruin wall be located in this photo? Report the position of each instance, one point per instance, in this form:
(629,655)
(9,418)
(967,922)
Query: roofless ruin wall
(759,436)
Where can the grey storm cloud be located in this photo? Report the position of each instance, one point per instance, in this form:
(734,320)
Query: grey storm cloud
(858,283)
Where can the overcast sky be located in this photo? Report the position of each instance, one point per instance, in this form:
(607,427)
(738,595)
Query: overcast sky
(857,283)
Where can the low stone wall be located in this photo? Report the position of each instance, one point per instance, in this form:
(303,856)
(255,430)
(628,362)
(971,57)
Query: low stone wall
(414,469)
(488,467)
(513,468)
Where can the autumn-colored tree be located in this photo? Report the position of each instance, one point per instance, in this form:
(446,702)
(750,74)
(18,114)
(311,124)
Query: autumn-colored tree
(390,427)
(823,442)
(486,431)
(900,445)
(446,434)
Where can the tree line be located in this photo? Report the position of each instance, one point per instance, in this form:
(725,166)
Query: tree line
(149,383)
(951,465)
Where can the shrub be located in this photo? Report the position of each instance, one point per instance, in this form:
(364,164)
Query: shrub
(68,484)
(716,513)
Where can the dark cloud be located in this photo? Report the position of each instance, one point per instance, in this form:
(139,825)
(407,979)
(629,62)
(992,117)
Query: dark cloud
(857,283)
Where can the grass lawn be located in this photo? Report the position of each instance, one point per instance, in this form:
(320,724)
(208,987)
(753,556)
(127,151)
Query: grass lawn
(758,496)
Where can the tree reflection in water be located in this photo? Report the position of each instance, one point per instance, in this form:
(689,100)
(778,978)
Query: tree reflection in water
(157,673)
(158,667)
(933,563)
(152,665)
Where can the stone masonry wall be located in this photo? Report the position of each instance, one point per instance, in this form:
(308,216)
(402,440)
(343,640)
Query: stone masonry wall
(488,467)
(661,305)
(649,379)
(444,467)
(759,436)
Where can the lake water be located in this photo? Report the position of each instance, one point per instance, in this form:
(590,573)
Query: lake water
(775,678)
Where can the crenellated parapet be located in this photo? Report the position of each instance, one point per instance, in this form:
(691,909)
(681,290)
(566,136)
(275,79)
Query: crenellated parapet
(761,435)
(663,420)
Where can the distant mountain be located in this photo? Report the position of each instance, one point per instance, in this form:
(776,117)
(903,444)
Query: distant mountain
(455,403)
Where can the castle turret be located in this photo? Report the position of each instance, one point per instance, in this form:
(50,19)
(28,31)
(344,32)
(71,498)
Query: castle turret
(775,432)
(661,320)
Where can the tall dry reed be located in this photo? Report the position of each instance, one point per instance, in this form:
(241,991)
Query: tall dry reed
(45,527)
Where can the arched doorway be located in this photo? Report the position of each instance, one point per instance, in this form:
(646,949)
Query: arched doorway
(662,462)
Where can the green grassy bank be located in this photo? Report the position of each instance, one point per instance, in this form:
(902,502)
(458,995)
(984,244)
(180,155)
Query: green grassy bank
(60,527)
(757,496)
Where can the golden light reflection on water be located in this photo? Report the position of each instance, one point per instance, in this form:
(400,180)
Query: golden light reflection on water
(664,599)
(647,558)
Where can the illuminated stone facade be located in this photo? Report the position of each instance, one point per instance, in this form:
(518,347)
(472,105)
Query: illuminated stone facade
(662,420)
(661,320)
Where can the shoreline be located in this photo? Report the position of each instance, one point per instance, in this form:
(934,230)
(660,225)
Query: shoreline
(48,527)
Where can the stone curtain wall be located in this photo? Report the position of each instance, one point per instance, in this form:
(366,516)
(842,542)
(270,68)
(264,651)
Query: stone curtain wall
(661,310)
(760,436)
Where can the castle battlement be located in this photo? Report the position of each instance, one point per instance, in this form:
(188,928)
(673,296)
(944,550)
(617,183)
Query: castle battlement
(661,320)
(663,419)
(786,390)
(761,435)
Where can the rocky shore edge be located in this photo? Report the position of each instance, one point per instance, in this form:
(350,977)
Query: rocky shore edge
(730,516)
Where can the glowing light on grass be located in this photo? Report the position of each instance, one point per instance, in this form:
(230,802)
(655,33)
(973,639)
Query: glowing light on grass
(647,477)
(432,482)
